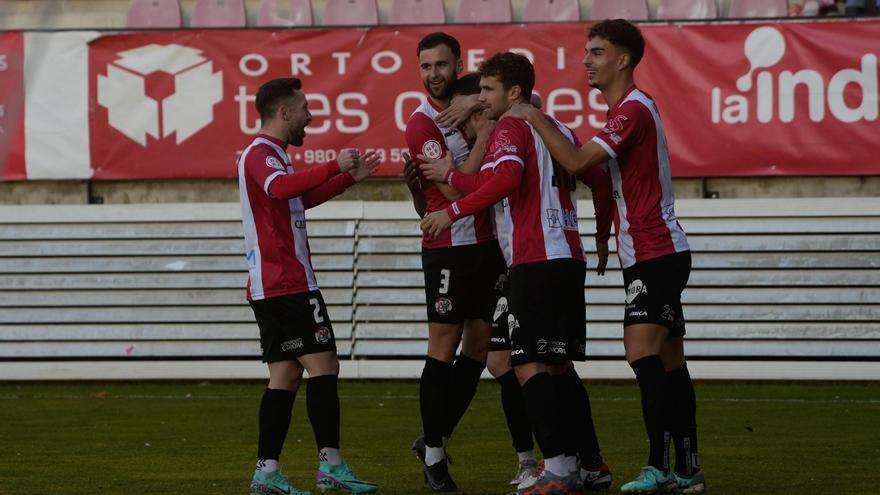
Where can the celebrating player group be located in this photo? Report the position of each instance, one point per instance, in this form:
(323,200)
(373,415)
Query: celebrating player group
(494,180)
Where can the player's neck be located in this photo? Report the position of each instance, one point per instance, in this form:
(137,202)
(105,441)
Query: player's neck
(441,104)
(269,131)
(615,91)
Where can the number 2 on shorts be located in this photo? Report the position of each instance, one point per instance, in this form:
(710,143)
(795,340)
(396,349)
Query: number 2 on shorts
(444,280)
(317,310)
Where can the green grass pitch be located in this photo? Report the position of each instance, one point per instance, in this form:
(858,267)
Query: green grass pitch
(200,438)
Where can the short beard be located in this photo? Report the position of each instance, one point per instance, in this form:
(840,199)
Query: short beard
(446,91)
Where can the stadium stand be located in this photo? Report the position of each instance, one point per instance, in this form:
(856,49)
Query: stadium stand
(758,8)
(351,13)
(218,13)
(687,9)
(299,14)
(417,12)
(634,10)
(477,11)
(781,288)
(147,14)
(551,11)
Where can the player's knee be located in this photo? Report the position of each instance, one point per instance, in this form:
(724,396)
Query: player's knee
(498,364)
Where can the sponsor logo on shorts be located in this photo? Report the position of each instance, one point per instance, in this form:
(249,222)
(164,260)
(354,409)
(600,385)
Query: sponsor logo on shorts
(443,306)
(541,346)
(512,324)
(668,313)
(638,313)
(291,345)
(322,335)
(498,340)
(502,281)
(556,347)
(500,308)
(635,288)
(582,348)
(517,352)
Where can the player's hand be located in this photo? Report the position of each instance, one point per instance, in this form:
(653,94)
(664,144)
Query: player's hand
(411,174)
(367,166)
(523,111)
(459,110)
(436,169)
(602,254)
(348,159)
(435,222)
(483,125)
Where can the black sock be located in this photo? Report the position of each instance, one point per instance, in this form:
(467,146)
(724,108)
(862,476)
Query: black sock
(515,412)
(322,402)
(684,424)
(542,406)
(586,442)
(276,409)
(433,396)
(653,385)
(567,414)
(465,378)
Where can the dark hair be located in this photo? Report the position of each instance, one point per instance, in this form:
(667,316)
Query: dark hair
(272,93)
(512,69)
(436,39)
(467,85)
(620,32)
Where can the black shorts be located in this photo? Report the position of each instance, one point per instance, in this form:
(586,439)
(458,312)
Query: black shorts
(293,325)
(653,292)
(500,340)
(547,312)
(460,281)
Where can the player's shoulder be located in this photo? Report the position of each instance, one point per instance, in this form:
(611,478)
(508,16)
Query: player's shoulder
(420,123)
(637,104)
(263,153)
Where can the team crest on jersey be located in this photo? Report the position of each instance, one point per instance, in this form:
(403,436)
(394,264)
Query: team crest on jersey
(443,306)
(273,162)
(635,288)
(432,149)
(322,335)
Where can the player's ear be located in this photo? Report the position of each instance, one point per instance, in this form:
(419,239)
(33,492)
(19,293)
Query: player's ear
(515,92)
(623,60)
(459,66)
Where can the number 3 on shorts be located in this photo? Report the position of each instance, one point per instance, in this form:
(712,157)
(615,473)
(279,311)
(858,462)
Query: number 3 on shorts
(444,280)
(316,307)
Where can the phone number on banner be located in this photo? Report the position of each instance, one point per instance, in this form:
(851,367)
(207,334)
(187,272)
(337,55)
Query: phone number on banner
(309,157)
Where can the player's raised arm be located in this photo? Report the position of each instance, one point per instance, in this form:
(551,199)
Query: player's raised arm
(573,159)
(364,167)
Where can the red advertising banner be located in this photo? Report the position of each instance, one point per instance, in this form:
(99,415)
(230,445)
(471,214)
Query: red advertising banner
(743,99)
(12,152)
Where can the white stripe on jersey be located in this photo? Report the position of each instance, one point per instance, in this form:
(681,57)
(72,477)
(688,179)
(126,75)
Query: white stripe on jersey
(679,239)
(252,243)
(555,243)
(503,223)
(269,181)
(625,248)
(605,147)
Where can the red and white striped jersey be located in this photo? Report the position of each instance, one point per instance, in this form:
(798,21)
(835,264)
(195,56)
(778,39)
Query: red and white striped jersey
(540,193)
(645,220)
(424,136)
(276,241)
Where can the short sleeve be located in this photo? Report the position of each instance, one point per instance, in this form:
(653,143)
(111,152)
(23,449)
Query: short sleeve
(508,142)
(423,137)
(625,128)
(263,165)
